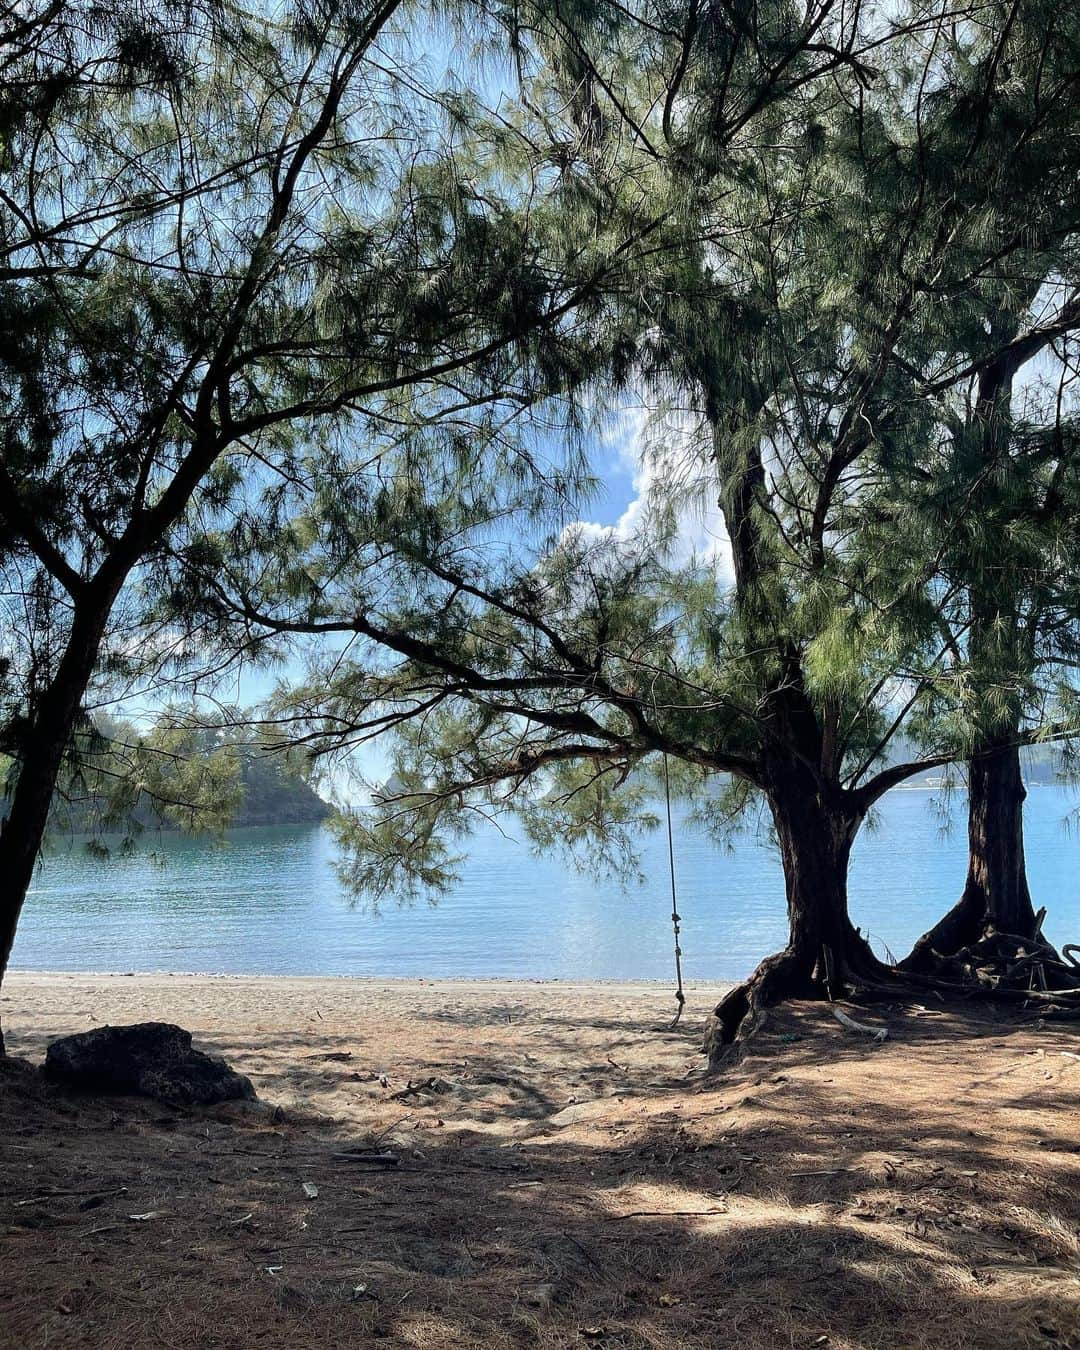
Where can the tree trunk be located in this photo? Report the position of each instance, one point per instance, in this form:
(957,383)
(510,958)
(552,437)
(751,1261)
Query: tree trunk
(40,758)
(995,898)
(825,952)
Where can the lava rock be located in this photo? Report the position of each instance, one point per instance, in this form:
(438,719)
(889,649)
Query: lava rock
(149,1059)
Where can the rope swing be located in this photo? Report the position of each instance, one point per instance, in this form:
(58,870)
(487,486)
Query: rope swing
(680,997)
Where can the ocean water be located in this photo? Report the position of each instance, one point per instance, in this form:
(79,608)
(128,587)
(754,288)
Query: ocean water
(268,901)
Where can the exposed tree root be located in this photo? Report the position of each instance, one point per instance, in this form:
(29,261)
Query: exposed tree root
(787,975)
(879,1034)
(1001,968)
(998,962)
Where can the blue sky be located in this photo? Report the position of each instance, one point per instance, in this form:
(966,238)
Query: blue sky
(613,463)
(628,457)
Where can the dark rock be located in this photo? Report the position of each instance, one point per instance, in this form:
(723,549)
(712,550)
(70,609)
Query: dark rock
(15,1069)
(150,1059)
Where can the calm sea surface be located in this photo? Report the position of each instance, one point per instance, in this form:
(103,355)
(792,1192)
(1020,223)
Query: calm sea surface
(268,901)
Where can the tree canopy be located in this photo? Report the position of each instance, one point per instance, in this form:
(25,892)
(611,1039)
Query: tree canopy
(313,335)
(232,242)
(860,266)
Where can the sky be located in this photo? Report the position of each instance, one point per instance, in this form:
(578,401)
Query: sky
(628,457)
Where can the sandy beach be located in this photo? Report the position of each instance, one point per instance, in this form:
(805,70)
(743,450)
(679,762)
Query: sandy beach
(400,1027)
(561,1173)
(281,1001)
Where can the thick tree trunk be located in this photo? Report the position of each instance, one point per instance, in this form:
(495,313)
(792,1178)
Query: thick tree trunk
(825,952)
(995,898)
(40,758)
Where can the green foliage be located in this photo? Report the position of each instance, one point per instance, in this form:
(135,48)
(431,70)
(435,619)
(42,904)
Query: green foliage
(842,265)
(183,772)
(325,337)
(244,255)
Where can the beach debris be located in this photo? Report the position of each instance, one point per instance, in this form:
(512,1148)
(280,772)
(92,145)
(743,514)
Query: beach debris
(574,1114)
(368,1156)
(541,1296)
(879,1034)
(150,1214)
(822,1172)
(96,1201)
(311,1190)
(94,1198)
(389,1130)
(148,1059)
(436,1087)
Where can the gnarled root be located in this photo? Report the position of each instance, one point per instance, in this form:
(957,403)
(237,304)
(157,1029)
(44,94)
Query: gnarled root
(1001,968)
(786,975)
(741,1011)
(994,962)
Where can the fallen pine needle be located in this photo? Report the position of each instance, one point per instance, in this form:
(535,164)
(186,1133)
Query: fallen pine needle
(667,1213)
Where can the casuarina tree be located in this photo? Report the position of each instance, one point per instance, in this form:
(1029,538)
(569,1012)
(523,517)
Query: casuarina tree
(227,239)
(836,257)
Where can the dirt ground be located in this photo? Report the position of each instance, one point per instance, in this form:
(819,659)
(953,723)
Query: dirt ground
(565,1175)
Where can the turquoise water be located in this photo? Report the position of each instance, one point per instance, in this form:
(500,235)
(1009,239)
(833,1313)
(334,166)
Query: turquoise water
(268,902)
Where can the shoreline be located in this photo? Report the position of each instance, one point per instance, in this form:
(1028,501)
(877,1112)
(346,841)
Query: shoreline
(266,1022)
(28,976)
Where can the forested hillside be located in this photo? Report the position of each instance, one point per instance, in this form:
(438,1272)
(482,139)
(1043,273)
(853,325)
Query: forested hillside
(275,793)
(175,777)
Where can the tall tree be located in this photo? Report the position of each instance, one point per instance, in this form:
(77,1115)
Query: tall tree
(805,325)
(228,240)
(1012,560)
(1003,491)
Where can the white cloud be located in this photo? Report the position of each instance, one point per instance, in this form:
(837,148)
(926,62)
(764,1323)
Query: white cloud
(672,478)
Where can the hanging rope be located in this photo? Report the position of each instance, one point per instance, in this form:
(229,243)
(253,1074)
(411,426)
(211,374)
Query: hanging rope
(680,997)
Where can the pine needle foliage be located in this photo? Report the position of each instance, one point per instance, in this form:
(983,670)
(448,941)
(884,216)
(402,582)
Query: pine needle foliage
(831,265)
(233,244)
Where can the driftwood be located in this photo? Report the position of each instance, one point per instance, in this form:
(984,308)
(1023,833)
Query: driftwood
(849,1024)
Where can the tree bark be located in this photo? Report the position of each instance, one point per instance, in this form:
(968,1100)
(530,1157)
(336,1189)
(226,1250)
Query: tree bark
(825,953)
(995,898)
(41,755)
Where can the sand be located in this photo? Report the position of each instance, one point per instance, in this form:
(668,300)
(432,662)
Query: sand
(40,1002)
(565,1175)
